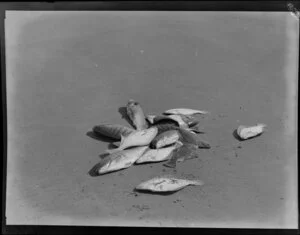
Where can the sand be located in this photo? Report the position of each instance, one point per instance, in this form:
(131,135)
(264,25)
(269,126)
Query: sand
(69,72)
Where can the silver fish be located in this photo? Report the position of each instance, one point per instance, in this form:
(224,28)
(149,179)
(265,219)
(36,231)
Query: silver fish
(185,111)
(246,132)
(114,131)
(164,139)
(136,138)
(117,161)
(136,115)
(184,152)
(157,155)
(166,183)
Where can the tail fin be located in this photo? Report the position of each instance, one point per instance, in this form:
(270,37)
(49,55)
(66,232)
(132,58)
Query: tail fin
(197,182)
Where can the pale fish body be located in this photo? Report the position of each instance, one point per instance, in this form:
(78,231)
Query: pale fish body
(246,132)
(185,111)
(164,139)
(112,130)
(119,160)
(157,155)
(136,138)
(167,183)
(136,115)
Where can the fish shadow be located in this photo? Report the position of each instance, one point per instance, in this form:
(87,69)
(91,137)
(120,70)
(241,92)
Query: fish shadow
(154,193)
(236,136)
(123,111)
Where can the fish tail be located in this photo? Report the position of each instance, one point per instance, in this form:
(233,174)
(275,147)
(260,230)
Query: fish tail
(197,129)
(111,151)
(203,144)
(170,163)
(197,182)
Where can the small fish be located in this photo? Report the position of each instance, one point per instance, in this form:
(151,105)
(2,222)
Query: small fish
(117,161)
(185,111)
(246,132)
(166,183)
(157,155)
(114,131)
(136,138)
(136,115)
(182,153)
(190,138)
(164,139)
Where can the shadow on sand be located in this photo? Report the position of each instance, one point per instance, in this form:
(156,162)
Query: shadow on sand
(154,193)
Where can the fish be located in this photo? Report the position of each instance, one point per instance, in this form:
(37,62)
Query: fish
(157,155)
(117,161)
(185,111)
(136,138)
(182,153)
(174,121)
(167,183)
(246,132)
(136,115)
(150,118)
(190,138)
(114,131)
(190,120)
(164,139)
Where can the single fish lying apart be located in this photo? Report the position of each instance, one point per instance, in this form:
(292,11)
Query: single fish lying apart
(185,111)
(136,115)
(114,131)
(164,139)
(246,132)
(166,183)
(117,161)
(157,155)
(182,153)
(136,138)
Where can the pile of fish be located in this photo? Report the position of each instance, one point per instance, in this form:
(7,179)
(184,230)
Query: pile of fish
(172,136)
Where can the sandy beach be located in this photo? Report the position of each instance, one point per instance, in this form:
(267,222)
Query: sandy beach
(67,72)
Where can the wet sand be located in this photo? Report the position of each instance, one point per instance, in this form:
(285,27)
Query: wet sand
(69,72)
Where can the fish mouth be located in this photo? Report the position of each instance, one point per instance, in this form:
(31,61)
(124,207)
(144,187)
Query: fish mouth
(95,170)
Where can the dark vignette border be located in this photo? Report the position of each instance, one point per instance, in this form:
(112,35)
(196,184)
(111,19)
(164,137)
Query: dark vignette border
(266,6)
